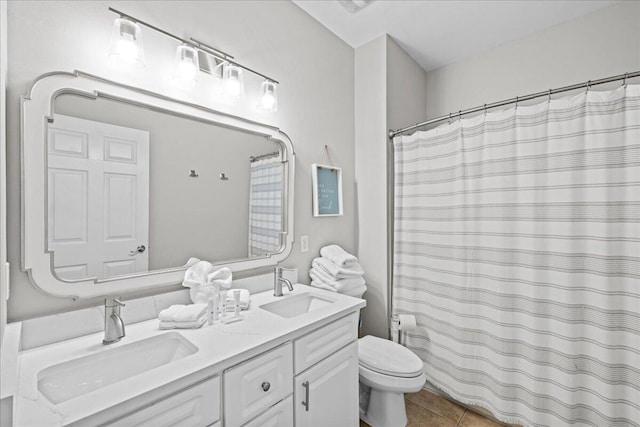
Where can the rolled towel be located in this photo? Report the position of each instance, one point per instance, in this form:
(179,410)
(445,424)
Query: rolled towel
(338,255)
(352,270)
(340,286)
(190,313)
(168,313)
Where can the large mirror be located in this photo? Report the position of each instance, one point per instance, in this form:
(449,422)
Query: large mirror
(122,187)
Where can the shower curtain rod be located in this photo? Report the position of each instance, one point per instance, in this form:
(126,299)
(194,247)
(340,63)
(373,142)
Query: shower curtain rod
(485,107)
(263,156)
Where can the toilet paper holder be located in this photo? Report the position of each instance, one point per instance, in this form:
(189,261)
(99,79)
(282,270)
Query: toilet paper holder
(400,325)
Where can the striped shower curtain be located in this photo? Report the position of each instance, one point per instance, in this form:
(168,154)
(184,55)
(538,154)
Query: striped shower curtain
(265,204)
(517,248)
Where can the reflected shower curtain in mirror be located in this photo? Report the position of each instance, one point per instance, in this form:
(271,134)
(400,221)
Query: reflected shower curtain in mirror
(517,248)
(265,204)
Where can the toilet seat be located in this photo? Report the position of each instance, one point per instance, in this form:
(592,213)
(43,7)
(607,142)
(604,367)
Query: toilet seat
(388,358)
(391,383)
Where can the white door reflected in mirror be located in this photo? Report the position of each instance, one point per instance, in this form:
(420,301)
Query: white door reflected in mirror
(98,198)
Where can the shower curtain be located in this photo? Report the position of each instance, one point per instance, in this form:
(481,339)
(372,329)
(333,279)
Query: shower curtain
(265,204)
(517,248)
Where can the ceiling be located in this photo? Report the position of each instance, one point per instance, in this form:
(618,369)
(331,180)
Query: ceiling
(437,33)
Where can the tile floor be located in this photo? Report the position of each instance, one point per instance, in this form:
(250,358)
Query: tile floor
(426,409)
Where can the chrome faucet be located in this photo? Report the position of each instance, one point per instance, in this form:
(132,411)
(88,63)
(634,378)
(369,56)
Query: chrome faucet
(113,324)
(277,282)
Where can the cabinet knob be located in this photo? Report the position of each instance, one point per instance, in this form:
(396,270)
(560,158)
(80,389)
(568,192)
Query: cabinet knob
(266,386)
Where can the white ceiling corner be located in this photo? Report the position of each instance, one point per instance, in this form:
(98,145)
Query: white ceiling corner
(438,33)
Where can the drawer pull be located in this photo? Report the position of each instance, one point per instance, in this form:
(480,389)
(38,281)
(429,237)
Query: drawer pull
(305,402)
(266,386)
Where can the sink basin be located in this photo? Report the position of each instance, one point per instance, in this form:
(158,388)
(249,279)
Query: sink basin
(67,380)
(295,305)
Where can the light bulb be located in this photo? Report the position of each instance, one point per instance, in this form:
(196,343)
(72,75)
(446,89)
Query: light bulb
(268,96)
(126,42)
(267,101)
(187,64)
(126,50)
(232,81)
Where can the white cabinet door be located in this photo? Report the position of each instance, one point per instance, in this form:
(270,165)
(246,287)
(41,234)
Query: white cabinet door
(279,415)
(197,406)
(254,386)
(327,393)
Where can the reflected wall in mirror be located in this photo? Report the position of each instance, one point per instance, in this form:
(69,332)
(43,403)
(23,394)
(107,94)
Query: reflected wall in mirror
(123,200)
(122,186)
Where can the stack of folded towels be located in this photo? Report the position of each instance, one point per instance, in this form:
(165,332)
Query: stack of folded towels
(338,271)
(180,316)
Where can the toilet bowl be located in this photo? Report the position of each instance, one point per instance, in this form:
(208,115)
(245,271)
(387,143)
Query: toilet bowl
(387,371)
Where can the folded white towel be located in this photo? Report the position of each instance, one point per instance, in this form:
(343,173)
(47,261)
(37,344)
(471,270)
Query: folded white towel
(355,292)
(245,298)
(338,255)
(342,285)
(183,325)
(338,272)
(168,313)
(190,313)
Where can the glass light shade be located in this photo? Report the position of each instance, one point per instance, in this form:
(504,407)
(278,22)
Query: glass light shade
(232,81)
(268,97)
(126,42)
(187,64)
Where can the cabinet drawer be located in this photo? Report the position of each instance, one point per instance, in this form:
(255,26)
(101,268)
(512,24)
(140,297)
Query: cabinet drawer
(198,405)
(325,341)
(255,385)
(280,415)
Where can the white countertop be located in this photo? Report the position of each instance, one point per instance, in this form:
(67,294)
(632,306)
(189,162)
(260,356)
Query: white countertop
(219,346)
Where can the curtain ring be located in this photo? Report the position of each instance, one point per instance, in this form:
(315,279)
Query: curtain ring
(459,115)
(517,102)
(624,82)
(450,118)
(588,85)
(549,95)
(485,109)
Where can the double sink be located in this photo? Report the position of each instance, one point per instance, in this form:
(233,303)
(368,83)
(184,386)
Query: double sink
(68,380)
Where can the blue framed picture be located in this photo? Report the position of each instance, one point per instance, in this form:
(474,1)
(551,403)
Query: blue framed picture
(327,190)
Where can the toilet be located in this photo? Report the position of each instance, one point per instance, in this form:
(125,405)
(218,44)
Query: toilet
(387,371)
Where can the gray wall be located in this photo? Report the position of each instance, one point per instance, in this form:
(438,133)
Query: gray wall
(3,181)
(389,93)
(315,69)
(601,44)
(204,217)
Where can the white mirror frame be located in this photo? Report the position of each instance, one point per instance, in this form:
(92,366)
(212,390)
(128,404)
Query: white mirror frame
(37,107)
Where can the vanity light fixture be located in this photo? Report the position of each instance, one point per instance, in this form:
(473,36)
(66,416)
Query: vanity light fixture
(187,64)
(268,97)
(126,42)
(126,45)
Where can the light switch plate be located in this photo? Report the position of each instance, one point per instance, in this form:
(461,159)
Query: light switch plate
(304,244)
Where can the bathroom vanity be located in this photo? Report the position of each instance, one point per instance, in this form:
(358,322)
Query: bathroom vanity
(293,360)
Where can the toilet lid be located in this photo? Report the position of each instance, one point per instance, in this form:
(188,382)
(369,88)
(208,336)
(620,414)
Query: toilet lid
(388,357)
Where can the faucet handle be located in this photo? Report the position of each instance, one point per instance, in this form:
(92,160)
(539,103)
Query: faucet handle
(113,302)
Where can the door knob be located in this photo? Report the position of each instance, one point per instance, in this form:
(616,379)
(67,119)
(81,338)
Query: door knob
(138,250)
